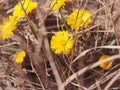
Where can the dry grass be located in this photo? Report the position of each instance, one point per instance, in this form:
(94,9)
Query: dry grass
(44,70)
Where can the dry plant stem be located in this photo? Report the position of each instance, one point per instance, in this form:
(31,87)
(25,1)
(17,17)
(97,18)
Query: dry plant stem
(106,14)
(9,44)
(37,63)
(116,35)
(31,82)
(98,85)
(36,60)
(114,22)
(33,59)
(103,7)
(100,31)
(83,88)
(35,70)
(103,80)
(52,64)
(46,12)
(28,19)
(51,60)
(80,83)
(86,51)
(80,72)
(20,74)
(86,2)
(112,81)
(14,79)
(115,31)
(87,68)
(80,80)
(18,67)
(88,29)
(24,46)
(47,48)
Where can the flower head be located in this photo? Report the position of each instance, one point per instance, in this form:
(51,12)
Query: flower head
(57,4)
(20,56)
(61,42)
(106,65)
(6,28)
(79,18)
(28,6)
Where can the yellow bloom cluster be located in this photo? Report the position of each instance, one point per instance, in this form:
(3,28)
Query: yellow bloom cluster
(79,18)
(57,4)
(61,42)
(28,6)
(7,27)
(107,65)
(10,24)
(20,56)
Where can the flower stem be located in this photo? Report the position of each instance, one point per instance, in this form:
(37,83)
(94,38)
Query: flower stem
(63,20)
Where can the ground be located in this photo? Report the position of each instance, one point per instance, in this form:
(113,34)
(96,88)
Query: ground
(42,68)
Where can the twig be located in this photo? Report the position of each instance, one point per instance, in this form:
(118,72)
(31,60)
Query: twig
(47,48)
(39,37)
(102,80)
(52,63)
(36,73)
(80,72)
(29,21)
(113,80)
(86,51)
(9,44)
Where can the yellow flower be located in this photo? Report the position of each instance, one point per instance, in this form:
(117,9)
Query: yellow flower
(20,56)
(6,28)
(61,42)
(28,6)
(106,65)
(57,4)
(79,18)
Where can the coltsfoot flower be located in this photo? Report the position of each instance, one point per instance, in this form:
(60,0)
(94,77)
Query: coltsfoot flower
(28,6)
(57,4)
(61,42)
(7,27)
(107,65)
(20,56)
(79,18)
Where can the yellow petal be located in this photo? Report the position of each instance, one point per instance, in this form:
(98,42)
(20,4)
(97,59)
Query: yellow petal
(61,42)
(7,27)
(20,56)
(106,65)
(79,18)
(28,6)
(57,4)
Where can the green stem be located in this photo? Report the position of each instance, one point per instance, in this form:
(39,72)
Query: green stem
(63,20)
(10,48)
